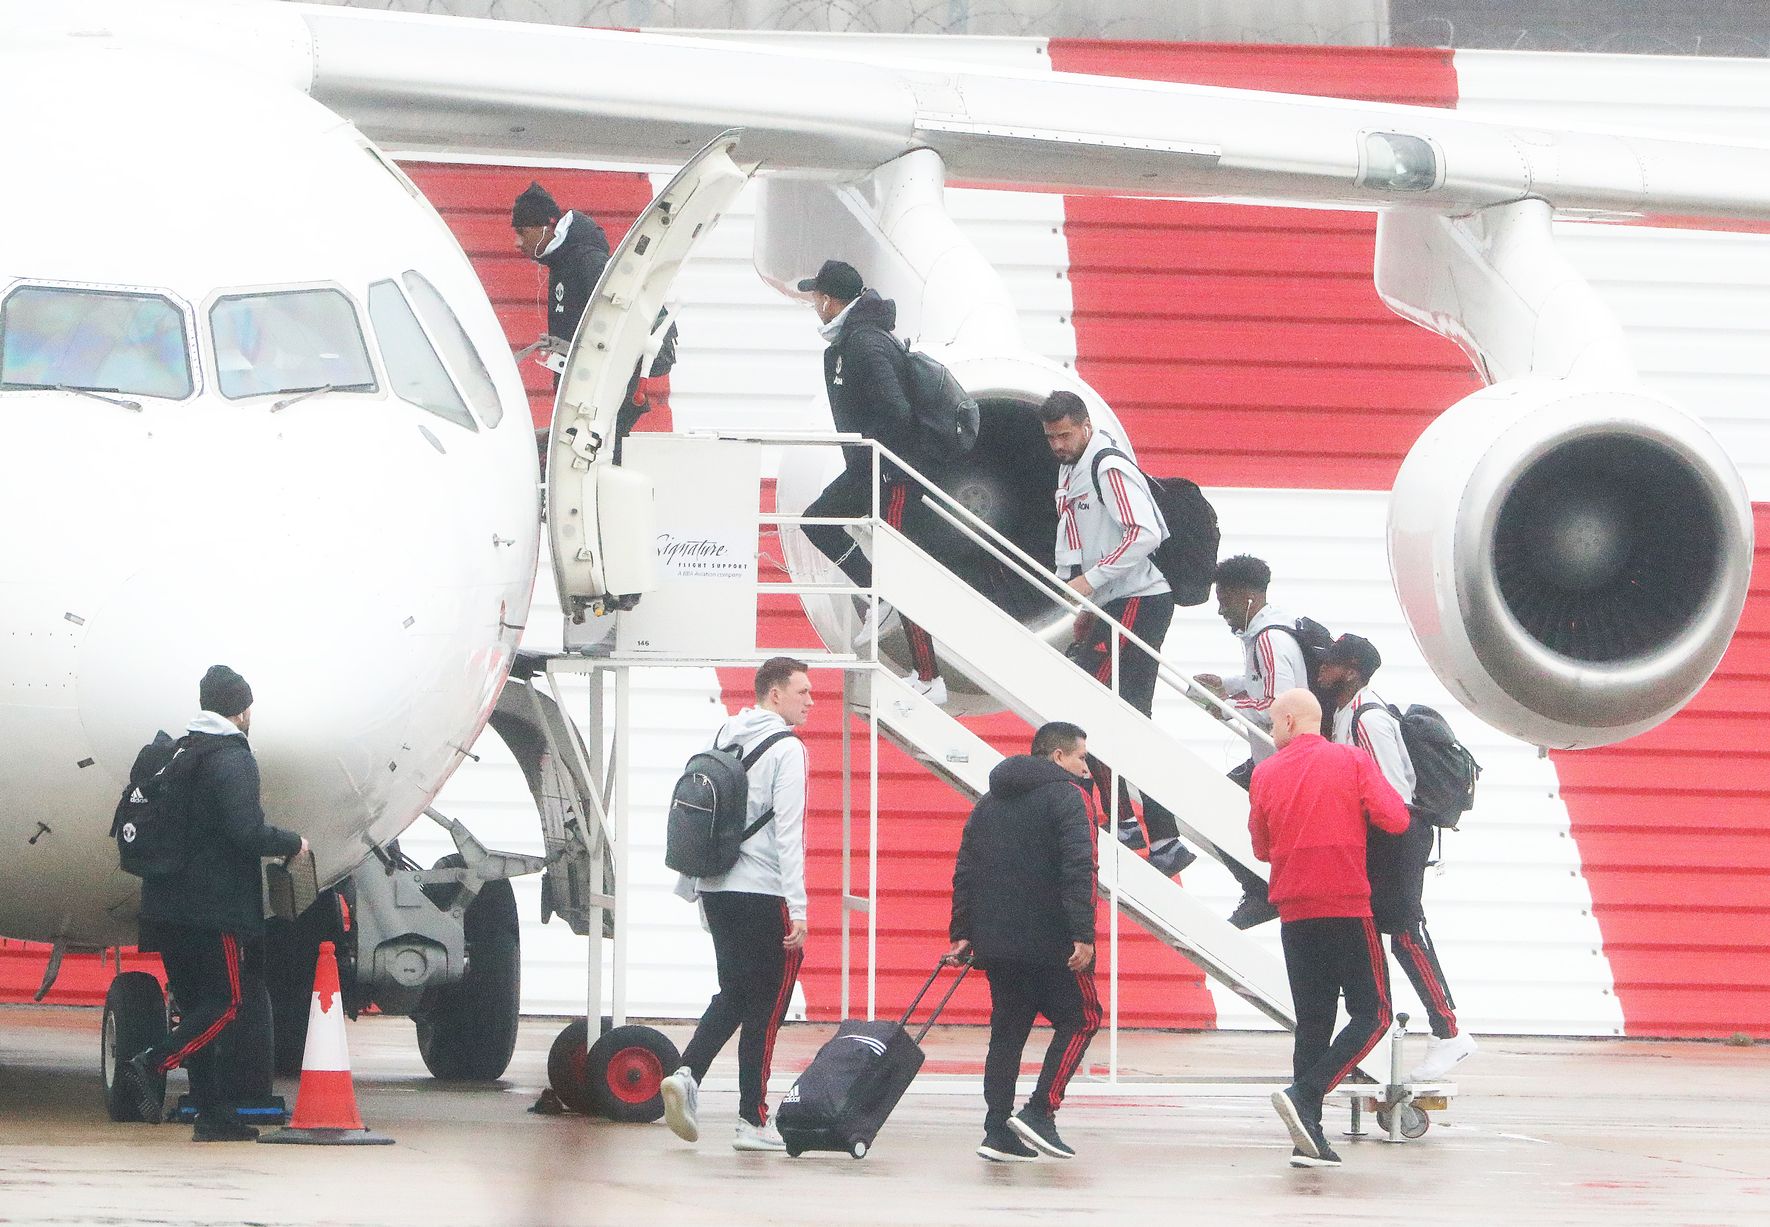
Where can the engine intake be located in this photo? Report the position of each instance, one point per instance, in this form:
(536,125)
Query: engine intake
(1572,559)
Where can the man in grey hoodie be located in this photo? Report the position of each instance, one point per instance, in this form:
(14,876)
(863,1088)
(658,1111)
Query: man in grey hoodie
(755,911)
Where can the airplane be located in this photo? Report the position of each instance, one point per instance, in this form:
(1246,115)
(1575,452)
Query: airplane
(290,435)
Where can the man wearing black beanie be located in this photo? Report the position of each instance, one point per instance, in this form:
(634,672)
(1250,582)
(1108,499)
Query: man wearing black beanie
(206,919)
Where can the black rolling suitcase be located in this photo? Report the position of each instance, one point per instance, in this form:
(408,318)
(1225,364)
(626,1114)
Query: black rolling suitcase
(844,1096)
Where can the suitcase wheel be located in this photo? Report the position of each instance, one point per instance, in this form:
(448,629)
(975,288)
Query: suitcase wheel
(858,1150)
(793,1152)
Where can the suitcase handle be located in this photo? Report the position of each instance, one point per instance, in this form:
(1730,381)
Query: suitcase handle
(964,965)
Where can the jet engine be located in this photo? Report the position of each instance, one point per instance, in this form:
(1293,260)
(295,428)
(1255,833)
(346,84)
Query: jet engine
(1572,559)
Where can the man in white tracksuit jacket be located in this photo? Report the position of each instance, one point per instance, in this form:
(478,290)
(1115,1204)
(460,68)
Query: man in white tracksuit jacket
(1107,527)
(755,911)
(1272,663)
(1395,864)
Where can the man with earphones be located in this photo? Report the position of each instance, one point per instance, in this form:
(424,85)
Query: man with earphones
(575,250)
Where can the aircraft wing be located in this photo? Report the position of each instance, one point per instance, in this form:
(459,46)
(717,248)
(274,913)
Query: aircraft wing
(508,90)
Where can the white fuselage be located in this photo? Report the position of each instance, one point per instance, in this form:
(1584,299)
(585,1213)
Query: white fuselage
(366,562)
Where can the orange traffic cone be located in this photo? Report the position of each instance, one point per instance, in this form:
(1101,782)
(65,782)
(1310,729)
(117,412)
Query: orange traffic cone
(325,1107)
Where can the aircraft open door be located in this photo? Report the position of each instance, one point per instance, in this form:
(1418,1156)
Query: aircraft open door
(600,516)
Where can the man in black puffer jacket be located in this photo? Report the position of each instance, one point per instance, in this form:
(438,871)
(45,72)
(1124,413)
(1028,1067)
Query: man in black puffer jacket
(864,373)
(572,246)
(1023,906)
(207,920)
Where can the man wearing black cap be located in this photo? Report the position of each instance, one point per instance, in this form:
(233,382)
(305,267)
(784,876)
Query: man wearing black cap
(1395,864)
(207,919)
(864,374)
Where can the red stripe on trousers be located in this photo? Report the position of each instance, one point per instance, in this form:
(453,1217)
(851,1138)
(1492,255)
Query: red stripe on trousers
(1373,942)
(230,952)
(1078,1043)
(789,974)
(1435,986)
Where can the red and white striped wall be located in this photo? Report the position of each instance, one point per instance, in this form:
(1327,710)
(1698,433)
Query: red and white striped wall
(1615,891)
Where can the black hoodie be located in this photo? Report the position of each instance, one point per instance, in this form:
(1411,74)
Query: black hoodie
(1023,887)
(864,370)
(572,271)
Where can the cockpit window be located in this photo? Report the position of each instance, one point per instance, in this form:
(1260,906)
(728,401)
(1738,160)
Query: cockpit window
(289,341)
(414,370)
(457,348)
(95,340)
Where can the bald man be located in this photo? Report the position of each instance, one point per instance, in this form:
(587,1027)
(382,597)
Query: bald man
(1311,804)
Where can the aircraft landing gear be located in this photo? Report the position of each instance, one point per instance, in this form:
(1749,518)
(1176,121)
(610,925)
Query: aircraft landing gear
(467,1031)
(134,1019)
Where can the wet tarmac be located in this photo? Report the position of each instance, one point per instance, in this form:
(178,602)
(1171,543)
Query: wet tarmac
(1546,1131)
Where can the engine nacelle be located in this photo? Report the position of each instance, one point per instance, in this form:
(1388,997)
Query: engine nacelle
(1572,559)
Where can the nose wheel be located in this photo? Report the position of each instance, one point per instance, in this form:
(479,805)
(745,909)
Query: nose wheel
(134,1020)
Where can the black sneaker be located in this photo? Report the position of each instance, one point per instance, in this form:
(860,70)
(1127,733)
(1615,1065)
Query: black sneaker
(1290,1110)
(1131,834)
(1171,857)
(1252,910)
(141,1081)
(1325,1155)
(222,1127)
(1002,1146)
(1299,1159)
(1040,1132)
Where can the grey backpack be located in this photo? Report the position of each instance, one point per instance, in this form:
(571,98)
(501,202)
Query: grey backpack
(706,825)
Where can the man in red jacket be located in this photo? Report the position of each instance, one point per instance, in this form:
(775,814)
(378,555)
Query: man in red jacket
(1311,804)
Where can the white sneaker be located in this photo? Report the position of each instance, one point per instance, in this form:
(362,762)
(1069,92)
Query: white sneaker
(682,1100)
(757,1137)
(879,614)
(1442,1056)
(933,690)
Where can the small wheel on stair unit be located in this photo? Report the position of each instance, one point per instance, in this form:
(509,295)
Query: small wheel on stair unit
(568,1063)
(625,1072)
(1414,1121)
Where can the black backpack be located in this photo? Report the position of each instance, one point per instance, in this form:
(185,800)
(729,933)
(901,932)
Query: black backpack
(1313,638)
(1445,772)
(1187,555)
(152,821)
(947,416)
(707,809)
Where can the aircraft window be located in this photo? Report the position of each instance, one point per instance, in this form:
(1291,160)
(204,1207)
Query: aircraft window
(95,341)
(289,341)
(457,348)
(415,371)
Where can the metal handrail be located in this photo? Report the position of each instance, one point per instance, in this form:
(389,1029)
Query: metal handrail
(1018,560)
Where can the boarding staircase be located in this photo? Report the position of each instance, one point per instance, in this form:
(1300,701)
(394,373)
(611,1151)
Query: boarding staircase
(1036,682)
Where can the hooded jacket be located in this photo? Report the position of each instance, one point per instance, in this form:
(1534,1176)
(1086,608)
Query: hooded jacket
(574,263)
(221,886)
(1023,886)
(864,372)
(1310,806)
(1273,663)
(772,861)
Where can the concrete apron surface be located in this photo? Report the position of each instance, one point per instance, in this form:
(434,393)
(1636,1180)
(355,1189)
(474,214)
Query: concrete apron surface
(1613,1132)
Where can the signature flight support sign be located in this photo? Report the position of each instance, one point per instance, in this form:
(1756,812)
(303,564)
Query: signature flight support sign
(705,498)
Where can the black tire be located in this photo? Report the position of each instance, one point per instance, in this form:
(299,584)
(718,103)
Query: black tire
(467,1031)
(625,1071)
(566,1064)
(134,1020)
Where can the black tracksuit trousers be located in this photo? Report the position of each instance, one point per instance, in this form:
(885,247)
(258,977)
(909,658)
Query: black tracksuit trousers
(756,977)
(1019,993)
(210,974)
(1147,617)
(1396,866)
(851,494)
(1324,958)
